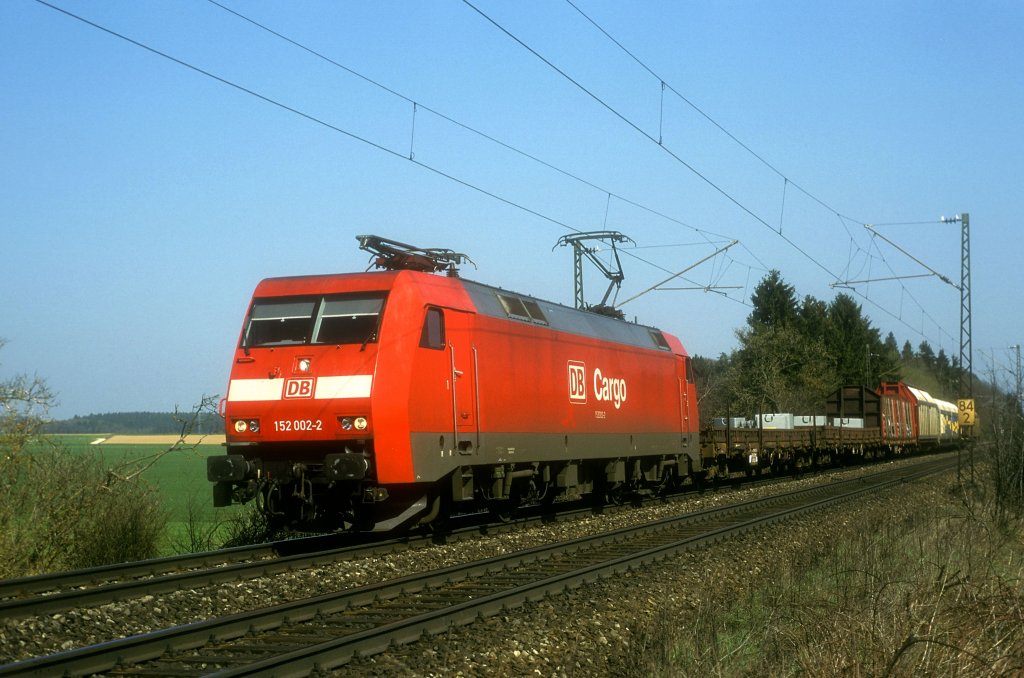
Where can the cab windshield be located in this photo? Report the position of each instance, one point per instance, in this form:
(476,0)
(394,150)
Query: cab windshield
(330,319)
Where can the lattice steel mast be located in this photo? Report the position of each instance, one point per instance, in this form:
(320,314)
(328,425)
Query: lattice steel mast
(966,386)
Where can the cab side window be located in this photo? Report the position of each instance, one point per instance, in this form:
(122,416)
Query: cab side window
(433,329)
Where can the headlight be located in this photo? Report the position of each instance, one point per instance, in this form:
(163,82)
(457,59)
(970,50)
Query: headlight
(357,423)
(247,425)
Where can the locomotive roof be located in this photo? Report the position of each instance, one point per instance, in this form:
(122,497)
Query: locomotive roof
(488,300)
(493,301)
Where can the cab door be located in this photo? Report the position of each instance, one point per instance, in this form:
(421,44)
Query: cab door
(463,384)
(687,395)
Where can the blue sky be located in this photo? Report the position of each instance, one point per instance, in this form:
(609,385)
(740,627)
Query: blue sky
(141,201)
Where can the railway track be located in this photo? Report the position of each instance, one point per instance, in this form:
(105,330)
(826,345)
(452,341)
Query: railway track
(57,592)
(46,594)
(16,594)
(326,631)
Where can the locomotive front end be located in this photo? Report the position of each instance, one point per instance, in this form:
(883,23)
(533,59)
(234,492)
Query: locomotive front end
(298,418)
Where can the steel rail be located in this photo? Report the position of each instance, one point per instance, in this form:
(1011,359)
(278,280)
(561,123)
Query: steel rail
(92,576)
(401,610)
(154,567)
(44,594)
(107,584)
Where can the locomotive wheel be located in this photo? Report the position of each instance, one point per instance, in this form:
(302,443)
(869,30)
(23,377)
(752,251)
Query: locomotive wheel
(617,494)
(669,482)
(356,521)
(503,510)
(441,522)
(700,481)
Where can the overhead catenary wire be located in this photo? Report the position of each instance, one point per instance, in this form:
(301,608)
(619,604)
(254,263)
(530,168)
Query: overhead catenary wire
(666,85)
(335,128)
(710,236)
(462,125)
(410,157)
(659,143)
(728,196)
(786,180)
(307,116)
(911,223)
(675,275)
(906,292)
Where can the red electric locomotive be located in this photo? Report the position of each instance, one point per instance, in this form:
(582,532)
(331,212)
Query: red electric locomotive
(385,399)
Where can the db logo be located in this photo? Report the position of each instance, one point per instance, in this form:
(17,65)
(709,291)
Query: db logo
(577,382)
(298,388)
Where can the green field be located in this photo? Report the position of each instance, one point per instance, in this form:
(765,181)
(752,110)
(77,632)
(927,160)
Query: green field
(178,475)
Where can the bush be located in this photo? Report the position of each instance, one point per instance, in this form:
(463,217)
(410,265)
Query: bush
(124,521)
(62,511)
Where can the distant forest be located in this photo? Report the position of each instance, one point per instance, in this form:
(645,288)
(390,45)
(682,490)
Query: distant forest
(138,423)
(794,351)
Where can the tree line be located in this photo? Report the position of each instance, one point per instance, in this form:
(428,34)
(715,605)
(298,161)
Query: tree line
(137,423)
(792,352)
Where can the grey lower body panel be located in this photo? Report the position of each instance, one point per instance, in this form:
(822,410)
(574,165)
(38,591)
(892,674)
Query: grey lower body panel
(435,455)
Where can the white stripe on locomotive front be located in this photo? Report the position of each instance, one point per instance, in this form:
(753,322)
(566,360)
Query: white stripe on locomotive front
(347,386)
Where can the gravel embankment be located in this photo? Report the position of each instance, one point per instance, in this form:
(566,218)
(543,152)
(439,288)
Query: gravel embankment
(576,634)
(599,629)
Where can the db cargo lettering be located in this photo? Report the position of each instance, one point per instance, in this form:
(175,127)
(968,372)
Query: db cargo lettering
(613,390)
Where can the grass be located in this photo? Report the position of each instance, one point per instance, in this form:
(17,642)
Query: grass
(938,591)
